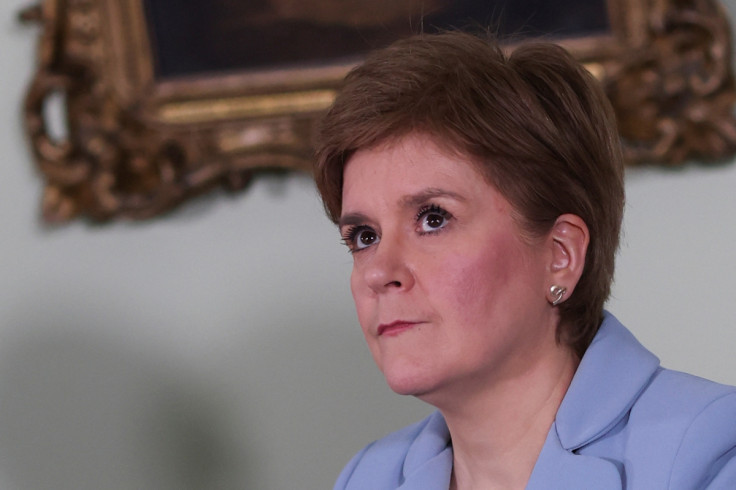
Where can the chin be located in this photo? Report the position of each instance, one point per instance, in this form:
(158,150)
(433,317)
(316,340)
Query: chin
(401,388)
(408,383)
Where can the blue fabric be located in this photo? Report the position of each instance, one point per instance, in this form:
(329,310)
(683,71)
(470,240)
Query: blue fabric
(625,423)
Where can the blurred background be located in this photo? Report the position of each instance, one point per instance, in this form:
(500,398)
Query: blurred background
(217,347)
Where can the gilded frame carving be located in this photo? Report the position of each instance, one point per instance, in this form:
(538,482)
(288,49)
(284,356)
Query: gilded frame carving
(136,147)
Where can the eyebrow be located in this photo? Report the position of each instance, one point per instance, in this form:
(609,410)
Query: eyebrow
(352,219)
(409,201)
(425,195)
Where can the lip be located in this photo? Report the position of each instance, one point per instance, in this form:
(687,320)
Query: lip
(395,328)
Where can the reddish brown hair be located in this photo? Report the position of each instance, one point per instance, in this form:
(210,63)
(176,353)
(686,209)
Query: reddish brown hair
(536,122)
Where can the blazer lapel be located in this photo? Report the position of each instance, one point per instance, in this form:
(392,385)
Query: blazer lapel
(434,474)
(428,463)
(556,468)
(560,469)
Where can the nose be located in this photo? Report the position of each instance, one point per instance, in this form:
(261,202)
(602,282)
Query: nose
(387,268)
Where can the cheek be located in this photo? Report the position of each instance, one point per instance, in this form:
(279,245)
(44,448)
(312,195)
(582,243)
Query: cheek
(475,283)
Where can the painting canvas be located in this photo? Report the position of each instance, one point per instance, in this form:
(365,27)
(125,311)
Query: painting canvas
(217,36)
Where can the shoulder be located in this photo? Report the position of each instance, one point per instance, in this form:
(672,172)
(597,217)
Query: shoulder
(384,463)
(688,393)
(696,421)
(662,428)
(680,433)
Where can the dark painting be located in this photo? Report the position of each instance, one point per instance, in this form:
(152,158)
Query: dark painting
(217,36)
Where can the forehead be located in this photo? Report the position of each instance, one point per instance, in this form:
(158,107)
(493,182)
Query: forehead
(400,169)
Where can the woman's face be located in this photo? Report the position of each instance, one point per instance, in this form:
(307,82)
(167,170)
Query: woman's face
(448,293)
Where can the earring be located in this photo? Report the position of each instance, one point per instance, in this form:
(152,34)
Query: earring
(557,292)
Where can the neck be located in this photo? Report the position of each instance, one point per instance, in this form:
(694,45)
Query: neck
(498,430)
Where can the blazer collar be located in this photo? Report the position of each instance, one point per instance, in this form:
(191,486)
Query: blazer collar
(428,463)
(612,374)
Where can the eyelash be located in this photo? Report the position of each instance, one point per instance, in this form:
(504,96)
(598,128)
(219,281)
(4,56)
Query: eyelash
(350,235)
(433,209)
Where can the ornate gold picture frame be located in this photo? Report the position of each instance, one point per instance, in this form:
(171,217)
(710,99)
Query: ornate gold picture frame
(138,143)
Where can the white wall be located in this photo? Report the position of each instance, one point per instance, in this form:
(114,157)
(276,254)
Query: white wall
(217,347)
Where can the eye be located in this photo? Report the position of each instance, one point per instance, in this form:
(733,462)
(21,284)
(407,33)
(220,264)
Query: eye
(432,219)
(360,237)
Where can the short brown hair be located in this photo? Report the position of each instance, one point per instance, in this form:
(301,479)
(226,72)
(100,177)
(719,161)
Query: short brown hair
(536,122)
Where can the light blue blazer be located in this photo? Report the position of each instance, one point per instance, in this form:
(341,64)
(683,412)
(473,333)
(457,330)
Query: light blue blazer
(625,423)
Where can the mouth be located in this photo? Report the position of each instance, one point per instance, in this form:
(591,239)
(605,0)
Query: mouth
(395,328)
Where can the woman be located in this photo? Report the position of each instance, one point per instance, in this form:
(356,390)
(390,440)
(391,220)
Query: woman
(481,197)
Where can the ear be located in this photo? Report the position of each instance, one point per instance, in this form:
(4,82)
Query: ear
(569,240)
